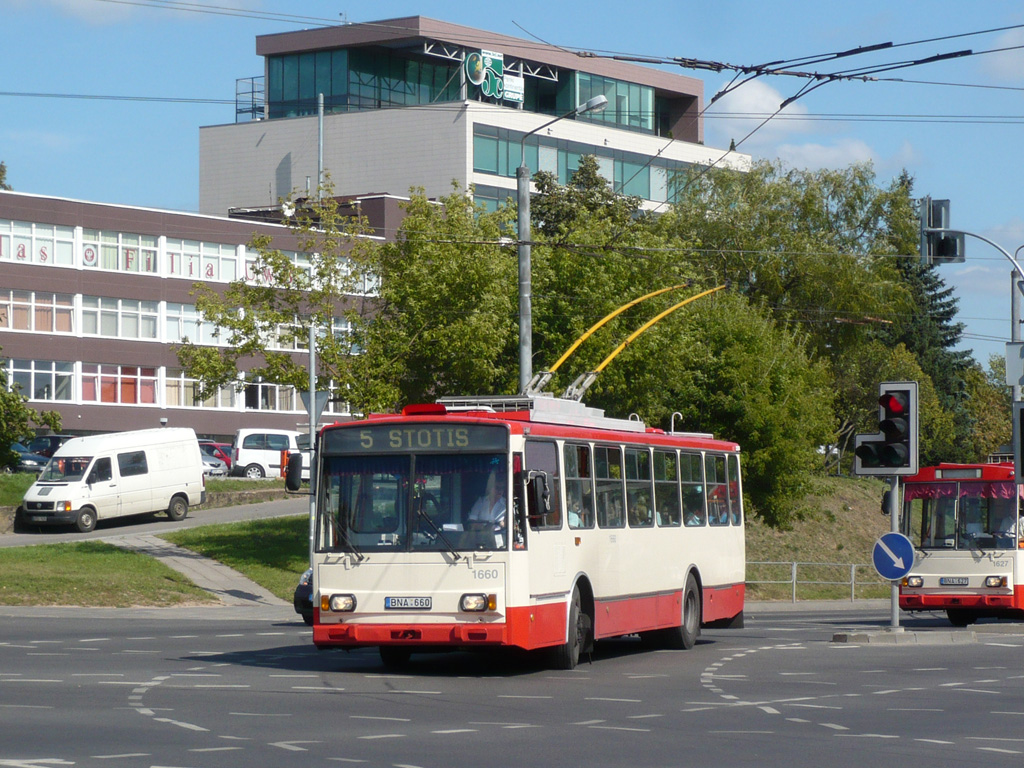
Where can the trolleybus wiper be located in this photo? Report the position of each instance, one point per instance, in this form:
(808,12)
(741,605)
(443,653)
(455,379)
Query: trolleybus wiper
(348,542)
(451,550)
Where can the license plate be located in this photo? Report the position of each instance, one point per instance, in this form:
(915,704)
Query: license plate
(953,581)
(406,603)
(38,518)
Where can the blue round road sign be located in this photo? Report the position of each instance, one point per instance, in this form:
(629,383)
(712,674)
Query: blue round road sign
(893,556)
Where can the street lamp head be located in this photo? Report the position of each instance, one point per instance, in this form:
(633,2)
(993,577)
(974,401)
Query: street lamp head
(596,104)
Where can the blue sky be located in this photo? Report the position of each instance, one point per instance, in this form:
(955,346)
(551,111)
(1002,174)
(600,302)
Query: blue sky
(956,130)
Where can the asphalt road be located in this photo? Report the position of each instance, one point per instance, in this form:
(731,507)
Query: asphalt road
(231,687)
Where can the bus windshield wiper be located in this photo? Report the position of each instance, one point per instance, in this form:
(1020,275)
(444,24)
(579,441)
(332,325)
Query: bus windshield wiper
(343,535)
(451,549)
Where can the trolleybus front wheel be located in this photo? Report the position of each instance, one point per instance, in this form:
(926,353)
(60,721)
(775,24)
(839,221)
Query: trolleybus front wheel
(567,656)
(958,617)
(394,657)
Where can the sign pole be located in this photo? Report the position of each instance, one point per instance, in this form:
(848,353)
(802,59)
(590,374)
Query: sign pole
(894,527)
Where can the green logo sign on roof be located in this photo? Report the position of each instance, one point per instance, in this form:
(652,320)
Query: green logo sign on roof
(486,69)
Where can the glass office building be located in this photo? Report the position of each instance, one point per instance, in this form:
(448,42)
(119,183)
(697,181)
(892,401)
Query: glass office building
(418,103)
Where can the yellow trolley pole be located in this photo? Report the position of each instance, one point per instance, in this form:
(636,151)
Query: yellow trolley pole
(583,382)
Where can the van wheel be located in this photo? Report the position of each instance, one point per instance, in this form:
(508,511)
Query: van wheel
(178,508)
(254,472)
(86,520)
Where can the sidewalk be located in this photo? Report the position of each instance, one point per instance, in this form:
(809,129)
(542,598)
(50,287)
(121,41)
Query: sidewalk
(231,587)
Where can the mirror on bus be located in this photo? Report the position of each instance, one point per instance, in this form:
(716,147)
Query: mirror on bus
(886,496)
(293,476)
(538,497)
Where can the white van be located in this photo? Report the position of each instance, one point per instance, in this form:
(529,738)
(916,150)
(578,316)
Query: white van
(256,453)
(124,473)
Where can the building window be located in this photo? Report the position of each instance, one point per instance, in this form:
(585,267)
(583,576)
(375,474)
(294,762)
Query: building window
(47,380)
(119,252)
(260,396)
(35,311)
(125,384)
(183,322)
(180,391)
(497,151)
(630,106)
(119,318)
(36,243)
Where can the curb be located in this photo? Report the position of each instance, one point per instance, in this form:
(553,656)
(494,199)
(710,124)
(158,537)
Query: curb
(213,501)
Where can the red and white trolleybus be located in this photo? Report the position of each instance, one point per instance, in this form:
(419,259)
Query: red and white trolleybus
(526,521)
(962,521)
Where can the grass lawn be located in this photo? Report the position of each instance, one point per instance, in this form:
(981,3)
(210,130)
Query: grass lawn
(90,573)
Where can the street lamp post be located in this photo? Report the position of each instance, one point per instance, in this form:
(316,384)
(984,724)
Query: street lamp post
(595,104)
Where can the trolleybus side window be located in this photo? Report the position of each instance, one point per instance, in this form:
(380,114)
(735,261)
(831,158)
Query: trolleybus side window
(717,489)
(579,488)
(542,456)
(735,497)
(608,486)
(691,475)
(666,487)
(639,493)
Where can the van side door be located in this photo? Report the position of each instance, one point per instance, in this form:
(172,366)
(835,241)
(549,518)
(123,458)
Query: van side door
(136,494)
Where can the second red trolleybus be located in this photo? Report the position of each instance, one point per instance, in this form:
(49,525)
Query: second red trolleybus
(526,521)
(962,521)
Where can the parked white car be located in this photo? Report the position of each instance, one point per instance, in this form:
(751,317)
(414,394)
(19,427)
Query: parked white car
(256,453)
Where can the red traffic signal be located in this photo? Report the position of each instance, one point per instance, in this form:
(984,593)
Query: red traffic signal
(893,449)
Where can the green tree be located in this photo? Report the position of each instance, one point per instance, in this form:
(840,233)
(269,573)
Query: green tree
(17,418)
(813,247)
(3,177)
(322,281)
(724,364)
(445,313)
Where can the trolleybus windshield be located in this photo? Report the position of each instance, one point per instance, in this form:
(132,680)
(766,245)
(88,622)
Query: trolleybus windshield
(414,502)
(961,515)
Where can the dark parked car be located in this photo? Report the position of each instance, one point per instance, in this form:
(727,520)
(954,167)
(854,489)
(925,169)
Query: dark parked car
(27,461)
(46,445)
(303,598)
(220,451)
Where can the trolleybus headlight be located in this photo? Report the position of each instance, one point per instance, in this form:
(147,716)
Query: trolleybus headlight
(338,603)
(478,602)
(995,581)
(913,581)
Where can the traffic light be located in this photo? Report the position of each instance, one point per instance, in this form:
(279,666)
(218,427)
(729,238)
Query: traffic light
(893,449)
(939,247)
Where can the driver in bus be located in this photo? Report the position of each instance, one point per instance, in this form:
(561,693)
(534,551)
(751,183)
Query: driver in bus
(1006,529)
(488,512)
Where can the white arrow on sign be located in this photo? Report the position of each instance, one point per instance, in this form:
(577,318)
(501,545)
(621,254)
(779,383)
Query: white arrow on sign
(897,561)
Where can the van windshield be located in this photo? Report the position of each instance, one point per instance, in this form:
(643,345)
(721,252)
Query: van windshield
(65,469)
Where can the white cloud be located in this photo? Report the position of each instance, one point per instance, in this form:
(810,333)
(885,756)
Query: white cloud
(840,154)
(739,112)
(1006,66)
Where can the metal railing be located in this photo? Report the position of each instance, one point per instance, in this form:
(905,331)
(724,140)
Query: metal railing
(853,576)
